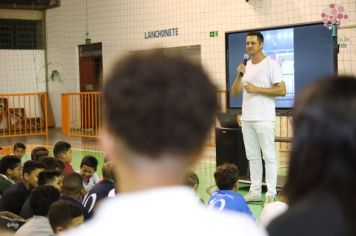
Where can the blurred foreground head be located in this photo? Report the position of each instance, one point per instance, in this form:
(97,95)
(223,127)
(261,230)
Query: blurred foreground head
(324,147)
(157,105)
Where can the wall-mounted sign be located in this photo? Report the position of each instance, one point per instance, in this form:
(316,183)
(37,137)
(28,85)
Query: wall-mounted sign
(213,34)
(161,33)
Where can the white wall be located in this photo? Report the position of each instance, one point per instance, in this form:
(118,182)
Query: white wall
(22,71)
(120,26)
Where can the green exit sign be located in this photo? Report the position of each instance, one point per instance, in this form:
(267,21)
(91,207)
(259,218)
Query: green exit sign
(213,33)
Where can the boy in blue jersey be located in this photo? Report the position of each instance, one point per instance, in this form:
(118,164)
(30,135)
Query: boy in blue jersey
(226,198)
(103,189)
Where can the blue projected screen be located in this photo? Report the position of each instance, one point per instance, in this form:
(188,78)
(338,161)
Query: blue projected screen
(304,52)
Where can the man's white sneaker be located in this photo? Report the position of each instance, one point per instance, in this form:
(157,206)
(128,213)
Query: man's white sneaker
(269,199)
(252,198)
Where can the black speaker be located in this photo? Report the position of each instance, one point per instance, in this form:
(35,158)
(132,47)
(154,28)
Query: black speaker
(230,148)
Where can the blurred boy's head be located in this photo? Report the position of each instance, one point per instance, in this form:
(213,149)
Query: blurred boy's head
(64,215)
(42,198)
(53,178)
(63,151)
(192,180)
(52,164)
(10,166)
(88,167)
(72,186)
(226,177)
(30,172)
(19,150)
(157,113)
(39,152)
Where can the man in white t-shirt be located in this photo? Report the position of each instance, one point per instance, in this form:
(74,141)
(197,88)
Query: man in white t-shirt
(158,112)
(261,81)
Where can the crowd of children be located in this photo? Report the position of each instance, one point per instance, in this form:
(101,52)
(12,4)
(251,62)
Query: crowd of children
(79,191)
(34,193)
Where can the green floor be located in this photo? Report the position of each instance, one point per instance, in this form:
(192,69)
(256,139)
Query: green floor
(204,169)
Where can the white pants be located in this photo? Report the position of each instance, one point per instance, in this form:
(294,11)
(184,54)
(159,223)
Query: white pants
(259,135)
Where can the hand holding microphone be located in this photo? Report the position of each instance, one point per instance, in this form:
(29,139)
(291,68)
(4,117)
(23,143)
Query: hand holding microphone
(241,69)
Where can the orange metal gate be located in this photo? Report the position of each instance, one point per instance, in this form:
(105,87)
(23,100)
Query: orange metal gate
(81,114)
(23,114)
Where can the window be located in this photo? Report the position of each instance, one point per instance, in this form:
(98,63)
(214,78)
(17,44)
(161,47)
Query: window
(21,34)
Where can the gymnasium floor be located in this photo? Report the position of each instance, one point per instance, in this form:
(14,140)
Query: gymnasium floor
(81,147)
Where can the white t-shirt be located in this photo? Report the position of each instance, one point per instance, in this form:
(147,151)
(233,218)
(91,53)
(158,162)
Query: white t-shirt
(37,225)
(271,211)
(92,181)
(258,107)
(165,211)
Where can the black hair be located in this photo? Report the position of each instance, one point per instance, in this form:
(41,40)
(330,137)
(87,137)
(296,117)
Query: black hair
(89,161)
(60,147)
(8,162)
(226,176)
(47,176)
(158,103)
(323,153)
(52,163)
(39,152)
(42,198)
(30,166)
(72,183)
(62,212)
(19,145)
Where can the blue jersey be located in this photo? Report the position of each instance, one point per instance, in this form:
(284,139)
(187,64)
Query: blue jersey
(228,200)
(100,191)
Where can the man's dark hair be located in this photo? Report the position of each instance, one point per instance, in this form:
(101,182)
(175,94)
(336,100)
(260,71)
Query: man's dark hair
(258,34)
(52,163)
(8,162)
(226,176)
(60,147)
(72,183)
(39,152)
(89,161)
(62,212)
(157,103)
(42,198)
(47,176)
(30,166)
(191,179)
(19,145)
(323,153)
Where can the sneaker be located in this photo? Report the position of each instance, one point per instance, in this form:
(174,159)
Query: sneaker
(269,199)
(252,198)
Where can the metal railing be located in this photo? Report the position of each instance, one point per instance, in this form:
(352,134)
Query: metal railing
(81,114)
(23,114)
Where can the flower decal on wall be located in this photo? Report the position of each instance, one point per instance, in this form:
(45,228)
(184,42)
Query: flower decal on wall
(334,14)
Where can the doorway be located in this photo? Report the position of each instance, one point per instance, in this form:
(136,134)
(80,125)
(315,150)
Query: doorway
(90,74)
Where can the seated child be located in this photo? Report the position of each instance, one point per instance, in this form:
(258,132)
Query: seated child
(63,151)
(87,170)
(226,198)
(38,152)
(103,189)
(19,150)
(192,180)
(10,172)
(64,215)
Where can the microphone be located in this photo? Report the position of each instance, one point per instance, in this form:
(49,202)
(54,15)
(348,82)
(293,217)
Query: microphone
(246,57)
